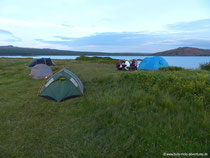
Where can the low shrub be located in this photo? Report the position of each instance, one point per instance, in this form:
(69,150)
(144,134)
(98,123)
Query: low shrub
(103,60)
(171,68)
(95,59)
(205,66)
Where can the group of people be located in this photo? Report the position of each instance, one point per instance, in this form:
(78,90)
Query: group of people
(126,65)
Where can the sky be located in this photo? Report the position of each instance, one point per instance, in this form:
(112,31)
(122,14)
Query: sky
(145,26)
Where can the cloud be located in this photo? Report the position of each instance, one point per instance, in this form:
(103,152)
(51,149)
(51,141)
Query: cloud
(199,43)
(5,32)
(109,41)
(186,34)
(64,38)
(66,25)
(129,41)
(7,36)
(199,25)
(186,42)
(54,42)
(107,38)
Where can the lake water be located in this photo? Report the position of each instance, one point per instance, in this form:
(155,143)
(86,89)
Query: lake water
(188,62)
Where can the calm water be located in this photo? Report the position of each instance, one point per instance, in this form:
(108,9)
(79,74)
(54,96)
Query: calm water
(185,62)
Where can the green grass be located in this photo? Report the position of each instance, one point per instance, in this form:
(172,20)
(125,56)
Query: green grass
(123,114)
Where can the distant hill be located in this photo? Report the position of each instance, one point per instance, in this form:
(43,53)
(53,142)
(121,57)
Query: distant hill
(184,51)
(18,51)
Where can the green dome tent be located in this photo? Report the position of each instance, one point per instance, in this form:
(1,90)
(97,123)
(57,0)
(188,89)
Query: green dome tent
(62,85)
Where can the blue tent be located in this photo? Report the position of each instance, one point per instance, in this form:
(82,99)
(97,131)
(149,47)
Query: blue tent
(152,63)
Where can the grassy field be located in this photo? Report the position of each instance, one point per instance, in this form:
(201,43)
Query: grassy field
(123,114)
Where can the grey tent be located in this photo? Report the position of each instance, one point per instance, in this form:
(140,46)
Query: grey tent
(40,71)
(46,61)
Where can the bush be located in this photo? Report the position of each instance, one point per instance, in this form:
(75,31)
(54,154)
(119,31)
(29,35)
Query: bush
(104,60)
(205,66)
(171,68)
(178,84)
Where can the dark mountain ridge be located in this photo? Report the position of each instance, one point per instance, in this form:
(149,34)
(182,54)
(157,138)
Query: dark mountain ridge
(19,51)
(184,51)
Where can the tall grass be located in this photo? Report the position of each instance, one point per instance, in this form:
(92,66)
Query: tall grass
(123,114)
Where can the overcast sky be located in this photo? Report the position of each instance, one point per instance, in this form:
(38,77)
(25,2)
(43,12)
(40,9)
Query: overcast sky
(107,26)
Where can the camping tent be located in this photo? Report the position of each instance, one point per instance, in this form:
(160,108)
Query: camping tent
(153,63)
(40,71)
(46,61)
(62,85)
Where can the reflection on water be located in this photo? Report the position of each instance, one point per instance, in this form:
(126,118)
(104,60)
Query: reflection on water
(192,62)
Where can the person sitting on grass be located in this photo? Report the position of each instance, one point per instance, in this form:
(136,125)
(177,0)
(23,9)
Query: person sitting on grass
(127,65)
(132,65)
(118,64)
(123,64)
(136,63)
